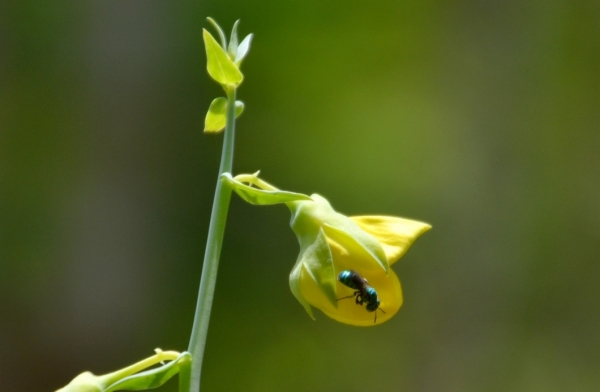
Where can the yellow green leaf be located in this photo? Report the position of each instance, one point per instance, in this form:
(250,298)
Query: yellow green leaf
(219,65)
(152,378)
(261,197)
(216,117)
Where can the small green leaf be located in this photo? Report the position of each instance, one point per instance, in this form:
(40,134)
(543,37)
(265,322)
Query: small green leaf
(239,108)
(219,31)
(216,118)
(233,41)
(243,49)
(261,197)
(153,378)
(219,65)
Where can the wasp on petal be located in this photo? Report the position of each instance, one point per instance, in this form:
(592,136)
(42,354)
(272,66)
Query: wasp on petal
(363,294)
(331,242)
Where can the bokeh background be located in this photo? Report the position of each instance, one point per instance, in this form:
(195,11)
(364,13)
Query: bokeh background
(479,117)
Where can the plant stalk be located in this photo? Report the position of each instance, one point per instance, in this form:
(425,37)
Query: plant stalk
(212,253)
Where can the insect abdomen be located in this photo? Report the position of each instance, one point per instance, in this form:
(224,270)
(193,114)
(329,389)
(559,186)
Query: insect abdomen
(348,278)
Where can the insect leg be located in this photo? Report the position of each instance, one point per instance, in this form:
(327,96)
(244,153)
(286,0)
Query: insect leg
(359,298)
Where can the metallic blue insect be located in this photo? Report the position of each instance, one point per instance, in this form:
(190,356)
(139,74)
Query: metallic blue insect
(364,293)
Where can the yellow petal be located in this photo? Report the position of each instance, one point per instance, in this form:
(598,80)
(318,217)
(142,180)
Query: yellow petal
(396,235)
(388,290)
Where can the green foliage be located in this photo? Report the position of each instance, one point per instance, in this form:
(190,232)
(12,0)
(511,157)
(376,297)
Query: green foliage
(219,31)
(233,41)
(261,197)
(222,63)
(154,378)
(134,378)
(219,65)
(481,117)
(216,117)
(243,49)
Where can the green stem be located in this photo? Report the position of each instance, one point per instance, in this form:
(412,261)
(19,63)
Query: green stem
(216,231)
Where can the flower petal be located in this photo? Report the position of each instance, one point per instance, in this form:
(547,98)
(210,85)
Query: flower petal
(388,290)
(394,234)
(343,231)
(360,244)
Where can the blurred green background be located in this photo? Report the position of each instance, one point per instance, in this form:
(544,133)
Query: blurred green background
(479,117)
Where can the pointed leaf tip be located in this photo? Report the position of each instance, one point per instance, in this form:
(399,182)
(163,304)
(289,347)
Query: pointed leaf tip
(243,49)
(233,41)
(219,31)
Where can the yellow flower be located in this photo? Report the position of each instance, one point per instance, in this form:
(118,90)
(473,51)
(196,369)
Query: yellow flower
(331,243)
(364,244)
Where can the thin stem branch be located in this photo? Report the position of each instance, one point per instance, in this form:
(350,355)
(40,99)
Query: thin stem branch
(212,253)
